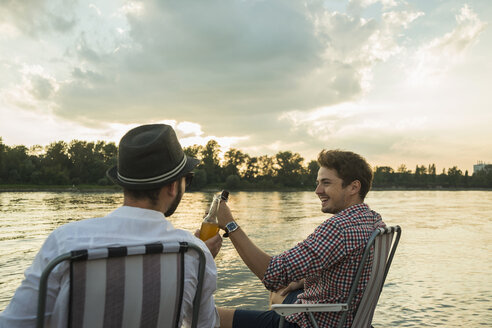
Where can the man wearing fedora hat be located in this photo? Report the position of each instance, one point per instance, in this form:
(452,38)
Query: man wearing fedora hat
(154,173)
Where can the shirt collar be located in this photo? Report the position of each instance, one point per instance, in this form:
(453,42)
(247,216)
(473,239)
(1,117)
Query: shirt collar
(131,211)
(355,208)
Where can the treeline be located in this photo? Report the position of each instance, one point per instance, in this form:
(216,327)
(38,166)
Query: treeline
(59,163)
(85,163)
(426,177)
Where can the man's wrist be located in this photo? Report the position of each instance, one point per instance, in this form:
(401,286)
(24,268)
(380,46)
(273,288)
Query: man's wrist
(230,228)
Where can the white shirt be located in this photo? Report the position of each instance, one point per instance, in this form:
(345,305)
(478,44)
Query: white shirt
(124,226)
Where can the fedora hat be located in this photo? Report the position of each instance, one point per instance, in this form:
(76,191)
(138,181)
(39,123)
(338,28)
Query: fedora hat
(150,156)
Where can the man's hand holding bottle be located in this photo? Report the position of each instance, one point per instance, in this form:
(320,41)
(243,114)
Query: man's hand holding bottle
(224,215)
(214,243)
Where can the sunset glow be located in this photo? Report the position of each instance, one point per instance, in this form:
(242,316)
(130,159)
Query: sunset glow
(398,82)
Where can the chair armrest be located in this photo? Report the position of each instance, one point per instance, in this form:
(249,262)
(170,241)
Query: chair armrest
(288,309)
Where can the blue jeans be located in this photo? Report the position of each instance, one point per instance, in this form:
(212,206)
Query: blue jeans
(264,319)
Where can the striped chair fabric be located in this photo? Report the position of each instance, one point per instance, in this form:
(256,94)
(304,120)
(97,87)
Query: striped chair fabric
(128,286)
(385,244)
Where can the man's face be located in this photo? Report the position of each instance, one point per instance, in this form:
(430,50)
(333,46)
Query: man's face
(176,200)
(334,198)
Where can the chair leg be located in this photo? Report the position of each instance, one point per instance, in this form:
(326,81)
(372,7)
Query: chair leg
(281,323)
(313,321)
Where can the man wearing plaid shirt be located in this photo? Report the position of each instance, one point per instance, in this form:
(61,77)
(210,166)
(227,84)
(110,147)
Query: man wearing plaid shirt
(320,268)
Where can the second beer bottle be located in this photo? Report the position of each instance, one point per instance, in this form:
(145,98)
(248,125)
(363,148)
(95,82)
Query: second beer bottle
(210,226)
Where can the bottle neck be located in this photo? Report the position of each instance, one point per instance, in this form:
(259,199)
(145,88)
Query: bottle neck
(212,212)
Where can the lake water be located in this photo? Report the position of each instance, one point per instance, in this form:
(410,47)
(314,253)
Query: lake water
(440,277)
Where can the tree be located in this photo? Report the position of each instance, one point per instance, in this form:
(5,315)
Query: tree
(232,182)
(210,161)
(252,169)
(194,151)
(289,168)
(88,161)
(266,166)
(57,155)
(199,180)
(432,169)
(454,176)
(432,174)
(106,157)
(312,172)
(383,176)
(420,176)
(56,165)
(403,176)
(19,166)
(109,153)
(403,169)
(483,178)
(234,160)
(420,170)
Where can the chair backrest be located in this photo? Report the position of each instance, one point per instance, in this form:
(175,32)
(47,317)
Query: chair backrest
(134,286)
(384,247)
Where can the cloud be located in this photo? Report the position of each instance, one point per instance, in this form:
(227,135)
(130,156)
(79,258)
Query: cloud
(35,89)
(155,60)
(355,6)
(396,19)
(368,129)
(436,57)
(469,27)
(260,75)
(177,60)
(96,9)
(35,17)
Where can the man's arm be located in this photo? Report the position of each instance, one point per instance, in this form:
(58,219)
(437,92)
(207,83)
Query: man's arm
(256,259)
(22,309)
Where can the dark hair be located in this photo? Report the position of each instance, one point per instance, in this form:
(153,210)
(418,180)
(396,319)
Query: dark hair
(151,194)
(349,166)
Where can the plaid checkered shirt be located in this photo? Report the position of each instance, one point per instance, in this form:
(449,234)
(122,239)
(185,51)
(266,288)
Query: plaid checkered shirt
(327,260)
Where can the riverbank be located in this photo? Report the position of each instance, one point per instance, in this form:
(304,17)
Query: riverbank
(58,188)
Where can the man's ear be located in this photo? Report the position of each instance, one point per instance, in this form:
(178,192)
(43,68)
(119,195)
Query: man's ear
(355,187)
(171,189)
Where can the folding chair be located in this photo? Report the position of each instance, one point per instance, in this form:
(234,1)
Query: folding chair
(128,286)
(381,239)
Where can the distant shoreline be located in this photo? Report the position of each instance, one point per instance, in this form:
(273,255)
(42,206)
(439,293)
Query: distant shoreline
(57,188)
(97,188)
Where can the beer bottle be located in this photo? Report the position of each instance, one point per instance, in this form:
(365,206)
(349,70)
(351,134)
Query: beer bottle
(210,226)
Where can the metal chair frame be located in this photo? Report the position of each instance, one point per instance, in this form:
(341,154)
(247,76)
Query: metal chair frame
(288,309)
(81,255)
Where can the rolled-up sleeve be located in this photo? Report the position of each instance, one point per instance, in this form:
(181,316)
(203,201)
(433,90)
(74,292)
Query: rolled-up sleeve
(322,249)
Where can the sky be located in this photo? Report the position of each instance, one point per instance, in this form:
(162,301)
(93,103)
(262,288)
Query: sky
(399,82)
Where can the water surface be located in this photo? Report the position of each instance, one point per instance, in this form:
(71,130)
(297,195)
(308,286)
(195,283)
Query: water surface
(440,276)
